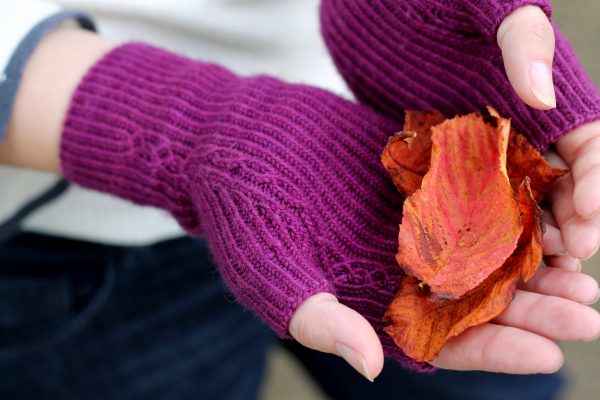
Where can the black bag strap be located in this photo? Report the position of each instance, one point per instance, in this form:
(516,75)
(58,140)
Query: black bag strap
(12,226)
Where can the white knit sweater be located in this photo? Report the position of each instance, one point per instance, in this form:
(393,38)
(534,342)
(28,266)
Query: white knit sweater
(277,37)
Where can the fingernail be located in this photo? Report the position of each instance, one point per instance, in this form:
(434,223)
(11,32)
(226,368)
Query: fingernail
(355,359)
(593,339)
(594,215)
(595,300)
(541,84)
(558,367)
(593,252)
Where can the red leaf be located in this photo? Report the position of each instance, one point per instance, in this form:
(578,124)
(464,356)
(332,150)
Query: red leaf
(529,249)
(463,223)
(421,327)
(524,160)
(406,155)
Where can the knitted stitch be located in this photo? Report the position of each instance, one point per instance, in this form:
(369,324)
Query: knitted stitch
(283,180)
(406,54)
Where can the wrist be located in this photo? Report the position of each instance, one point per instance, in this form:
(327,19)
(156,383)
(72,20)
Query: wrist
(138,118)
(50,77)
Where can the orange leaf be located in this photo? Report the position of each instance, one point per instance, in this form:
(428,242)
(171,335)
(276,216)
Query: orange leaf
(421,327)
(406,155)
(463,223)
(529,248)
(459,230)
(524,160)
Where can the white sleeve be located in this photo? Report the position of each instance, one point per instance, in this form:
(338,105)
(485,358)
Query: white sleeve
(17,18)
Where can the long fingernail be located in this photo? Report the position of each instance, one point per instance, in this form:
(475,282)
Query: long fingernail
(355,359)
(541,84)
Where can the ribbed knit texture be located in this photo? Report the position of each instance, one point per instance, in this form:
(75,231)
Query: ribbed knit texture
(283,180)
(406,54)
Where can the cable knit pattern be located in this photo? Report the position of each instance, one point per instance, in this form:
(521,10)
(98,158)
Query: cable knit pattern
(405,54)
(283,180)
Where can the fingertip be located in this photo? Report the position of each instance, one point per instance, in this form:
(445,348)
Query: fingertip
(495,348)
(594,300)
(322,323)
(581,238)
(593,326)
(586,198)
(566,263)
(527,40)
(555,362)
(553,242)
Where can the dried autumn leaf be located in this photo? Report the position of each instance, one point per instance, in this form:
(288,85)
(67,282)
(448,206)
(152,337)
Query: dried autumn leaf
(463,223)
(407,154)
(524,160)
(422,322)
(421,327)
(529,248)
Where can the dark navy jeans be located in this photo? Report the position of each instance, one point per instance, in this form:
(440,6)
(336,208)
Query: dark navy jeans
(85,321)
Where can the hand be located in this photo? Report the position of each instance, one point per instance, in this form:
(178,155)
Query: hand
(521,340)
(284,181)
(391,57)
(575,201)
(526,38)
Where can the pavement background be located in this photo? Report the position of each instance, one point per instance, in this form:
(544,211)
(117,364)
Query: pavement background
(578,19)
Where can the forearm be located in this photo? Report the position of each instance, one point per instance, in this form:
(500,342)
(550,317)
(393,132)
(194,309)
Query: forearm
(51,75)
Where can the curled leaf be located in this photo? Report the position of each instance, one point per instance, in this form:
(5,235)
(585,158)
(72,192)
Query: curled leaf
(458,231)
(407,154)
(524,160)
(421,327)
(463,223)
(528,254)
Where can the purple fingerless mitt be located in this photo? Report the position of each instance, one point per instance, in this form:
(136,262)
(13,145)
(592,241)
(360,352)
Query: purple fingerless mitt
(283,180)
(406,54)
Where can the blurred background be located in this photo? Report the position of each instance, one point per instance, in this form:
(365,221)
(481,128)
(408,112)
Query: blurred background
(578,19)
